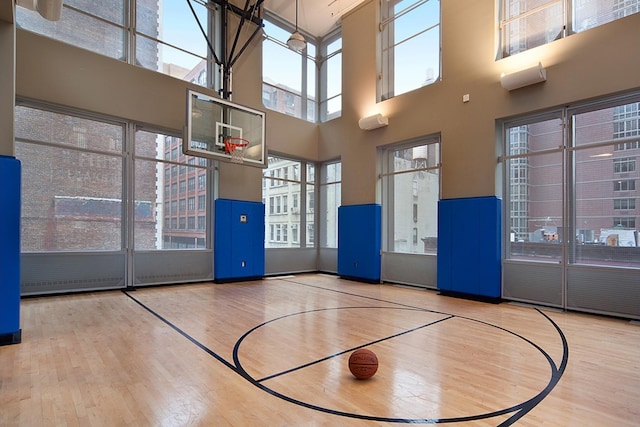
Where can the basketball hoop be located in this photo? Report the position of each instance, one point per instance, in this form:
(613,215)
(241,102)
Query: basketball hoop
(235,146)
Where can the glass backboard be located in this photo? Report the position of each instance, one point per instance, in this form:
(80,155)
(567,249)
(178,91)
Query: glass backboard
(222,130)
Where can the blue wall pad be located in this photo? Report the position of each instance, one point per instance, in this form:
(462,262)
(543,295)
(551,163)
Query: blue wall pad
(10,332)
(359,242)
(239,240)
(470,246)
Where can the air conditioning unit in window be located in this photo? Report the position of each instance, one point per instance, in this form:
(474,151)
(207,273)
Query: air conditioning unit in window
(295,211)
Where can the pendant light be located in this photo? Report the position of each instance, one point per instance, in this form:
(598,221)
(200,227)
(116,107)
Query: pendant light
(296,40)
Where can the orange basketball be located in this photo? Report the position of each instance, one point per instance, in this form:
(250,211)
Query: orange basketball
(363,363)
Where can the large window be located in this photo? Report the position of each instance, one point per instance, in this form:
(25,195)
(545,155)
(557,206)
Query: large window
(162,36)
(73,186)
(410,193)
(591,179)
(527,24)
(307,84)
(289,79)
(410,43)
(288,192)
(72,189)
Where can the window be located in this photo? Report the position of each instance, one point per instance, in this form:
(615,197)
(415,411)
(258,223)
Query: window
(182,198)
(104,21)
(624,164)
(283,216)
(625,222)
(330,200)
(525,25)
(600,203)
(403,165)
(289,79)
(624,185)
(167,35)
(624,204)
(76,205)
(330,60)
(407,27)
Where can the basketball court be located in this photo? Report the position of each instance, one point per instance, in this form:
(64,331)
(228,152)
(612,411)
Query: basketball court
(275,352)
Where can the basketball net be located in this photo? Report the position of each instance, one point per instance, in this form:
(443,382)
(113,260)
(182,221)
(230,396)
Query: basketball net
(235,147)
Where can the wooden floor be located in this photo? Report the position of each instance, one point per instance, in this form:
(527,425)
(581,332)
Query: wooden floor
(274,353)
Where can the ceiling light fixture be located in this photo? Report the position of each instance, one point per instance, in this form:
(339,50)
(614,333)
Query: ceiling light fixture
(296,40)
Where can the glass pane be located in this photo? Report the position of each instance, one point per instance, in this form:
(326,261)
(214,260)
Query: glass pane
(170,41)
(414,190)
(594,13)
(175,195)
(412,71)
(281,194)
(79,29)
(417,20)
(112,10)
(531,138)
(415,210)
(330,200)
(535,207)
(607,218)
(71,199)
(281,66)
(50,127)
(607,214)
(310,217)
(534,29)
(334,75)
(173,23)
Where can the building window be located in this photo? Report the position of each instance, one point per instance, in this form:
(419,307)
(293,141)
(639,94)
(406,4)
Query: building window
(408,27)
(624,222)
(403,165)
(624,185)
(624,204)
(624,164)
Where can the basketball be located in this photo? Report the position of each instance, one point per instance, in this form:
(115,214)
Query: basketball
(363,363)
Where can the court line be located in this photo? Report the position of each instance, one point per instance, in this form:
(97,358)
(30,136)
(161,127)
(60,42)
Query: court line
(184,334)
(288,371)
(520,410)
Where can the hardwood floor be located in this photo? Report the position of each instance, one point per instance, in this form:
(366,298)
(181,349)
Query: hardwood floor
(274,353)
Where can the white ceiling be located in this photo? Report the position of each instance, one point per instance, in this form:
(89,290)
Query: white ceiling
(316,17)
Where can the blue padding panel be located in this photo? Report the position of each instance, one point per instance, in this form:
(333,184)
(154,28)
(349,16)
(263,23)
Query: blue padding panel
(470,246)
(239,239)
(359,241)
(9,249)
